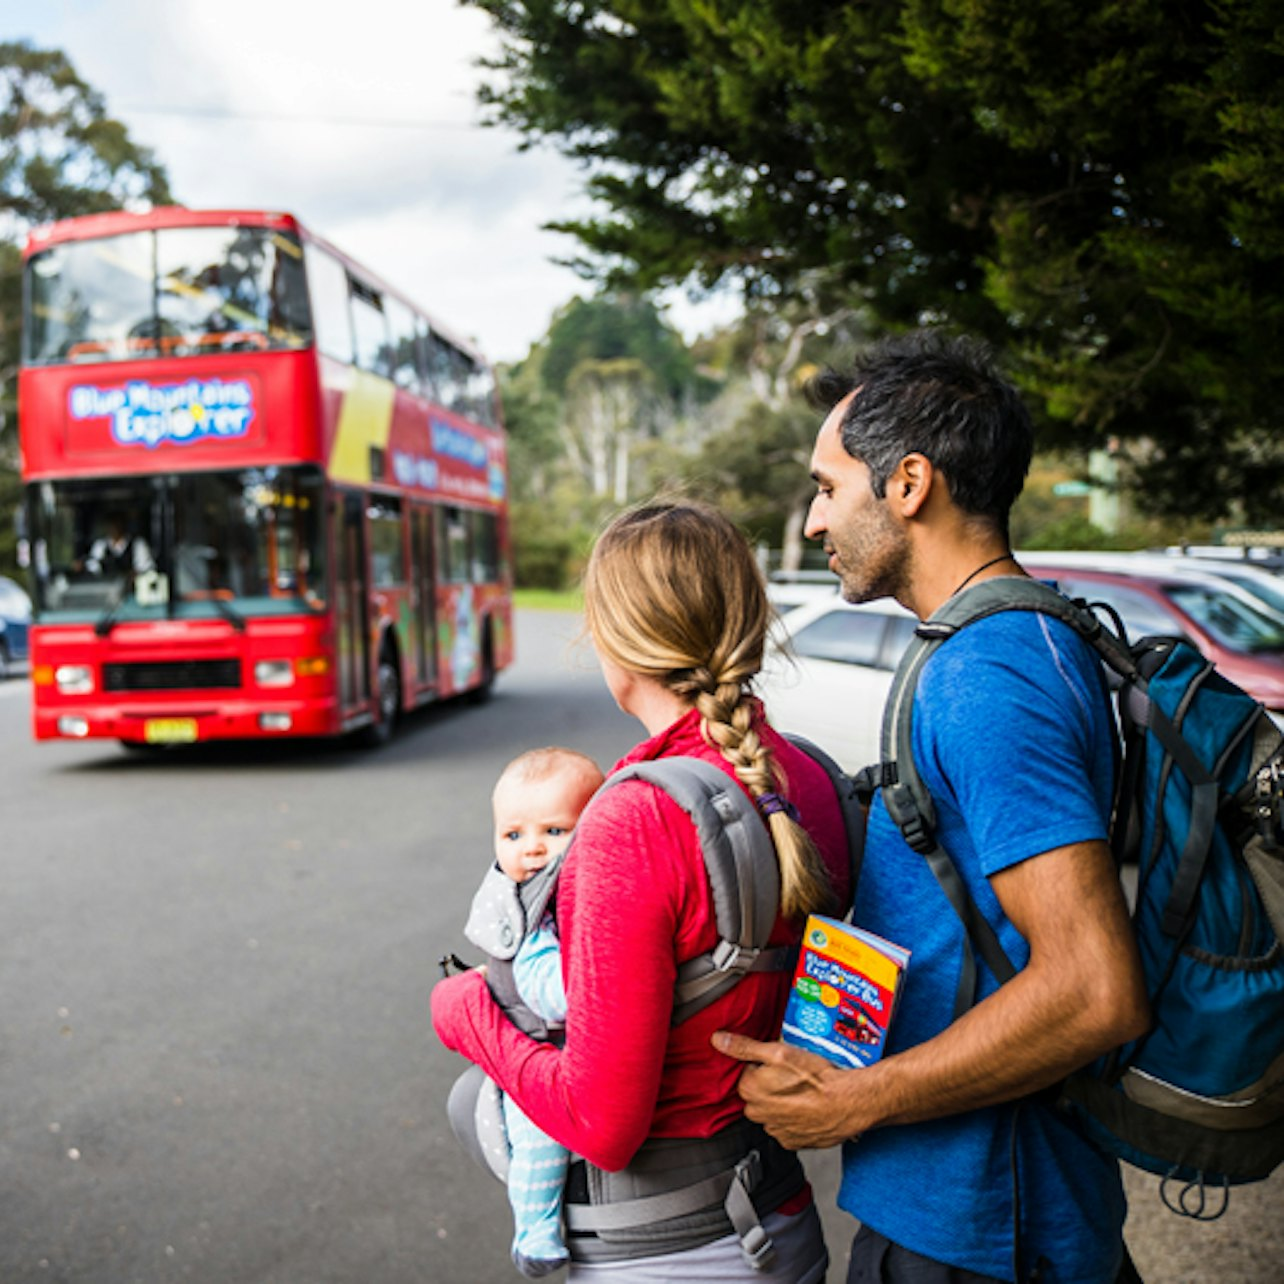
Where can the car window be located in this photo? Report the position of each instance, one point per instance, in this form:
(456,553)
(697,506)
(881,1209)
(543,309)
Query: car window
(13,600)
(900,629)
(1233,622)
(1141,615)
(1261,588)
(848,637)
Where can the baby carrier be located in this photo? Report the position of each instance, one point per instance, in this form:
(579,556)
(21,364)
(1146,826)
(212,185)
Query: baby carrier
(676,1193)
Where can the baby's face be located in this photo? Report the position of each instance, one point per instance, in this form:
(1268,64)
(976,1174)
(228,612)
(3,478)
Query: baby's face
(533,823)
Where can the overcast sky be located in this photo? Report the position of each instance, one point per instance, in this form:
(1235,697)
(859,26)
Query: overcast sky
(361,119)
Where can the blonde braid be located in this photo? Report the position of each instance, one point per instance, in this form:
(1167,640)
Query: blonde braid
(727,720)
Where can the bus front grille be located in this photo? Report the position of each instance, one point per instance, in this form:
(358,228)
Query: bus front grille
(172,675)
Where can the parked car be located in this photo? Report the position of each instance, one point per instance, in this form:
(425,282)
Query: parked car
(1235,629)
(827,676)
(789,589)
(15,619)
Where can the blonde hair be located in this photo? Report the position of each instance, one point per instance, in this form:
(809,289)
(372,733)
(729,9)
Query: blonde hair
(672,591)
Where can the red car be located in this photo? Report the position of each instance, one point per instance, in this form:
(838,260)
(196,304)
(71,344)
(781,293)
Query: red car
(1238,632)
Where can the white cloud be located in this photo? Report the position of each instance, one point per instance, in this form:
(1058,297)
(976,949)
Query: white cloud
(448,211)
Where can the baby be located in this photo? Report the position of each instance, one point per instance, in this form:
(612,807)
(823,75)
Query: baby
(537,801)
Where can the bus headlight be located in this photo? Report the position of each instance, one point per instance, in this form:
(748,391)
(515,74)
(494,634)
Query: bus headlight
(74,679)
(274,673)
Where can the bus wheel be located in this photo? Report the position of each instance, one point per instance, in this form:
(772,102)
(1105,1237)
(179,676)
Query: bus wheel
(4,661)
(380,731)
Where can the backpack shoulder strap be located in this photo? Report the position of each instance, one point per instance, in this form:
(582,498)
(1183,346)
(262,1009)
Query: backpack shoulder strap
(743,874)
(905,796)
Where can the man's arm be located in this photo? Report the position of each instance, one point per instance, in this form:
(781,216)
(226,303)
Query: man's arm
(1080,995)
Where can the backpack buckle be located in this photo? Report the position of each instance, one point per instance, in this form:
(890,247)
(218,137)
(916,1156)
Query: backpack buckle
(728,956)
(915,831)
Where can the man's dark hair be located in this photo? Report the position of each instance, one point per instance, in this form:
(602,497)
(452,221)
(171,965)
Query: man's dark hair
(943,397)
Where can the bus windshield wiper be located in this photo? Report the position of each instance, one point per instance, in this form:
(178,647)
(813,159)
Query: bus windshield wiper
(228,612)
(107,620)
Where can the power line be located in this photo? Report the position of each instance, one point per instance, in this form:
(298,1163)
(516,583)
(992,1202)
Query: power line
(292,118)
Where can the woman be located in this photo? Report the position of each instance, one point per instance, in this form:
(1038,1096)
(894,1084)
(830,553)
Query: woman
(678,615)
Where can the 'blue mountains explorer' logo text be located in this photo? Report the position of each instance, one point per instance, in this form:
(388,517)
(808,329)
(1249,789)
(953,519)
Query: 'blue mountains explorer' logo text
(148,414)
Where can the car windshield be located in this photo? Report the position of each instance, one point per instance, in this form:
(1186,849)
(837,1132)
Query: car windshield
(171,292)
(230,544)
(1261,587)
(1233,621)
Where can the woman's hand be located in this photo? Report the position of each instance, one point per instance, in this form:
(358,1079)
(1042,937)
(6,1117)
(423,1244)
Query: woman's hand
(451,999)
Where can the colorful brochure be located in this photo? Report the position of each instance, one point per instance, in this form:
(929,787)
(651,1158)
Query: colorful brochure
(844,992)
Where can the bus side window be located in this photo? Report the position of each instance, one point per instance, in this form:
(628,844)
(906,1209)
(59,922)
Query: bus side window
(328,283)
(426,355)
(441,370)
(370,328)
(485,548)
(404,345)
(387,563)
(452,545)
(484,397)
(462,372)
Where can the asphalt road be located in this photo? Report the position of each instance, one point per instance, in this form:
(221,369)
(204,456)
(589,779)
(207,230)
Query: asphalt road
(215,1057)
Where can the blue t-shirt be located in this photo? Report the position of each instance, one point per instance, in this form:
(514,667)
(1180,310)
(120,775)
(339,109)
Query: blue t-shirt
(1013,739)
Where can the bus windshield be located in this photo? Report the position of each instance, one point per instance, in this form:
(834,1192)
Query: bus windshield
(190,546)
(172,292)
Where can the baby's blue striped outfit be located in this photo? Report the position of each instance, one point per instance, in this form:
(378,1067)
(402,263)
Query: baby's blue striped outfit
(537,1167)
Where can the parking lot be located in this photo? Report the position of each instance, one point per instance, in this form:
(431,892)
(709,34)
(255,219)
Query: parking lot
(217,1063)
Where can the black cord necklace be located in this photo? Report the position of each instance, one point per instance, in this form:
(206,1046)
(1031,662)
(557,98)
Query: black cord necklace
(985,566)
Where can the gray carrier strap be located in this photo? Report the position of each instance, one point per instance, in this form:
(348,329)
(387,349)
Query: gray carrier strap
(905,796)
(743,873)
(680,1193)
(503,914)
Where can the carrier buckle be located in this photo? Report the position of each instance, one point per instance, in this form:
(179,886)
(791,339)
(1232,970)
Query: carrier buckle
(728,956)
(755,1243)
(758,1249)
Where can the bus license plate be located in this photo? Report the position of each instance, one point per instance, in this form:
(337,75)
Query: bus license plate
(169,731)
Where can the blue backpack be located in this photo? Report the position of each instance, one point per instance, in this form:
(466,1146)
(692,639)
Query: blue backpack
(1200,1098)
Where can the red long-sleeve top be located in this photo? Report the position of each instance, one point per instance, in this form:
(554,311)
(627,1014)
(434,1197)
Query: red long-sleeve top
(633,902)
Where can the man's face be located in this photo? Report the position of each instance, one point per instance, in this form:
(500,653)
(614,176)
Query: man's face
(868,550)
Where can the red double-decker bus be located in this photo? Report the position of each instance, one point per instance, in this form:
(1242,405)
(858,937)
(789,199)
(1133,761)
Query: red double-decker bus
(266,495)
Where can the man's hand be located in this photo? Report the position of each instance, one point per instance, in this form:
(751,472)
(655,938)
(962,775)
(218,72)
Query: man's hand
(797,1096)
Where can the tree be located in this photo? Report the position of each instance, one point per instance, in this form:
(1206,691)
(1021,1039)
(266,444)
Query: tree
(1096,187)
(610,406)
(61,155)
(597,416)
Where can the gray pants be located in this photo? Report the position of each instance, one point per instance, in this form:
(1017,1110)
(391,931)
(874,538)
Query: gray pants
(801,1258)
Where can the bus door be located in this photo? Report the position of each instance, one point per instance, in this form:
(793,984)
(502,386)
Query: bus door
(424,578)
(351,602)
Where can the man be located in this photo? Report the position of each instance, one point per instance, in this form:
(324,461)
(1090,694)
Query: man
(118,553)
(954,1168)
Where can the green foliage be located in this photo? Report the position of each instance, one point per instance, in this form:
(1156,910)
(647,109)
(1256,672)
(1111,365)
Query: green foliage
(10,500)
(597,415)
(1098,188)
(611,327)
(61,155)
